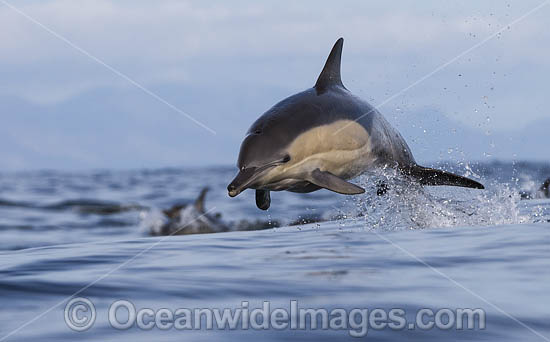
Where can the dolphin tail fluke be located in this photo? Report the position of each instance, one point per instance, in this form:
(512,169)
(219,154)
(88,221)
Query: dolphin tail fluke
(263,200)
(331,182)
(429,176)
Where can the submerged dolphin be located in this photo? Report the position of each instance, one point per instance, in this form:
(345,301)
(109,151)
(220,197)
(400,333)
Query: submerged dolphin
(544,189)
(322,137)
(542,192)
(184,219)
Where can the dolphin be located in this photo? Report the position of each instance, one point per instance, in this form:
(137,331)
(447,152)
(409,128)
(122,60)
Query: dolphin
(542,192)
(321,138)
(182,219)
(544,189)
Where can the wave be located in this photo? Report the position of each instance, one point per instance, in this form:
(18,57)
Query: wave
(90,206)
(84,206)
(10,203)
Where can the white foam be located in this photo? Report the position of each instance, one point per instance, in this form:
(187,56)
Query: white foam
(410,206)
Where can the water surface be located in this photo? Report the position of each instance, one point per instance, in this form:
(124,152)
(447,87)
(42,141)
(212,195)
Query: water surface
(85,234)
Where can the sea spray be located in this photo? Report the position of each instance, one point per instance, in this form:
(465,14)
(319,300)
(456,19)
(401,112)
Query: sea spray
(407,205)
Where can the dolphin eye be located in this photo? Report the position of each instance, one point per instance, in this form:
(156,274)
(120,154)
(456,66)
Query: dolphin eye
(286,159)
(258,131)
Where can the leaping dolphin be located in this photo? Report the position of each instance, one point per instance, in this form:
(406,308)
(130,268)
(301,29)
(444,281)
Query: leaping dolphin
(322,137)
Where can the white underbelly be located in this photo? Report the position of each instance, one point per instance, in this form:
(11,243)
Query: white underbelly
(342,148)
(345,164)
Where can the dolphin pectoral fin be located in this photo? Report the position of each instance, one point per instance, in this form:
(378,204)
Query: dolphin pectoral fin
(263,200)
(331,182)
(429,176)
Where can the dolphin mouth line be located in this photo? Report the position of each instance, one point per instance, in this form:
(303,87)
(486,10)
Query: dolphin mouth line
(234,190)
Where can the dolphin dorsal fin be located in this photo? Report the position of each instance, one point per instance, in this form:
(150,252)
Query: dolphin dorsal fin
(199,202)
(331,72)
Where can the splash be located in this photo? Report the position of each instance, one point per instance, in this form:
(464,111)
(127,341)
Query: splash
(408,205)
(151,221)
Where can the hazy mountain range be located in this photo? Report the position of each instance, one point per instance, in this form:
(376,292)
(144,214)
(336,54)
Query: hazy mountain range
(122,128)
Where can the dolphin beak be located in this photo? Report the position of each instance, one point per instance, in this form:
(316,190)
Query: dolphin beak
(244,178)
(241,181)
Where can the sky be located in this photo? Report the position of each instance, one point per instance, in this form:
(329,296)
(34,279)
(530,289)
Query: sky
(143,84)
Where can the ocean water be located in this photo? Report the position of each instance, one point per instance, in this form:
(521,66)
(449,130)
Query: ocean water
(66,235)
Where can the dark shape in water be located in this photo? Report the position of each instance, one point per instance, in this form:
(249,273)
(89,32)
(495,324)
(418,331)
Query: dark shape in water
(84,206)
(99,207)
(381,189)
(185,219)
(191,219)
(544,188)
(542,192)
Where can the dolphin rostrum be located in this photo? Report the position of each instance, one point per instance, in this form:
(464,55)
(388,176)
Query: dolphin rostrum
(322,137)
